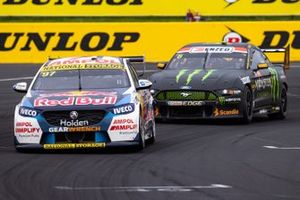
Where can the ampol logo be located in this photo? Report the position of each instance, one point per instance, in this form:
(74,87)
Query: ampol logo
(232,37)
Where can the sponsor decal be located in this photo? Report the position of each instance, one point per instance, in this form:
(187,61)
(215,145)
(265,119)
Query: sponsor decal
(61,42)
(186,87)
(208,74)
(26,128)
(220,112)
(186,103)
(233,100)
(123,109)
(275,84)
(245,80)
(71,123)
(27,112)
(74,146)
(123,125)
(84,60)
(263,83)
(79,101)
(190,77)
(232,37)
(222,100)
(74,129)
(78,94)
(81,67)
(180,74)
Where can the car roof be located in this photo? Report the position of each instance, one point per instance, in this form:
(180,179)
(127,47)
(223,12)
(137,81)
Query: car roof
(84,60)
(246,45)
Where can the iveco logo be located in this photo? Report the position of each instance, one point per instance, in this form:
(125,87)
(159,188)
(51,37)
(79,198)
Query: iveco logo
(185,94)
(74,115)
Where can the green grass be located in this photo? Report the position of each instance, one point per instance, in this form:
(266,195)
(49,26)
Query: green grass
(145,19)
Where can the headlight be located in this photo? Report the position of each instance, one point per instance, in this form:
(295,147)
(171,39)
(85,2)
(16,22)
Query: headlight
(230,92)
(27,112)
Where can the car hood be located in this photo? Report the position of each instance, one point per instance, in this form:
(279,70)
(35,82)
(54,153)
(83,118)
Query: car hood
(76,99)
(198,79)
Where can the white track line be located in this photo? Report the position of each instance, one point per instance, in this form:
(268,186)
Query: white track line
(148,188)
(282,148)
(16,79)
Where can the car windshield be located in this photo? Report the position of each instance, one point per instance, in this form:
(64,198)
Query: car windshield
(209,60)
(81,79)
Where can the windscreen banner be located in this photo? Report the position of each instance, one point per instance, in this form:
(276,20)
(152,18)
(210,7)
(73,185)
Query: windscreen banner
(35,42)
(147,7)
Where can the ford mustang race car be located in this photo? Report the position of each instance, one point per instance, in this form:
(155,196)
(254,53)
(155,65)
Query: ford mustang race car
(84,103)
(220,81)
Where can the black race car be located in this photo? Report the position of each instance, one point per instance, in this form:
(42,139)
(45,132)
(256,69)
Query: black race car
(220,81)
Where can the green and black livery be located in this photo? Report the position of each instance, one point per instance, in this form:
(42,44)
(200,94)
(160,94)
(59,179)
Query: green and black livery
(197,83)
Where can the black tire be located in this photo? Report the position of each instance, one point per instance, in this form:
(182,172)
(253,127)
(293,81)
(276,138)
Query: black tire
(142,141)
(247,106)
(281,114)
(153,136)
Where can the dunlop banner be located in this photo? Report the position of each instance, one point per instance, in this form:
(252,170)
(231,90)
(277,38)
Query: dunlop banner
(147,7)
(34,42)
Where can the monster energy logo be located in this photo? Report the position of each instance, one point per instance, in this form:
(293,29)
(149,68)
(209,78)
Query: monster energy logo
(275,84)
(191,75)
(222,100)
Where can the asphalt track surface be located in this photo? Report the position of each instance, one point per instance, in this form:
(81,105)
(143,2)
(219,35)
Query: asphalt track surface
(191,159)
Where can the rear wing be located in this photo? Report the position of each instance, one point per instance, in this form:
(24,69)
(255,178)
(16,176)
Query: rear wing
(135,59)
(286,51)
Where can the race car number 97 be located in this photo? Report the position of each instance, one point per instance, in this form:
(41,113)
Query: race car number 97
(47,74)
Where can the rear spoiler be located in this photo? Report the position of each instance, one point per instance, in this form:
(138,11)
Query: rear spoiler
(135,59)
(286,51)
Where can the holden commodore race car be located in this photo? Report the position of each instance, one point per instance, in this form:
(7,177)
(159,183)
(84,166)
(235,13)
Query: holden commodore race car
(220,81)
(84,103)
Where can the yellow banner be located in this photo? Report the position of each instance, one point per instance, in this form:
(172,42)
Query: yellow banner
(147,7)
(34,42)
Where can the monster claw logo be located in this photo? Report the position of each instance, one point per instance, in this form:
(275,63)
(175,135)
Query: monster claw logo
(230,2)
(275,84)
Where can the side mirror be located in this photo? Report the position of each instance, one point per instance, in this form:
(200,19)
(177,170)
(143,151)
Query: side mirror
(161,65)
(144,84)
(20,87)
(262,66)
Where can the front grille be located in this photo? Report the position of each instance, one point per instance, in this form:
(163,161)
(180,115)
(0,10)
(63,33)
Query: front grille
(75,137)
(92,116)
(186,111)
(185,95)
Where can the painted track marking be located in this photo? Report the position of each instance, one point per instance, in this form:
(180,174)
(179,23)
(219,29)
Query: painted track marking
(282,148)
(149,188)
(16,79)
